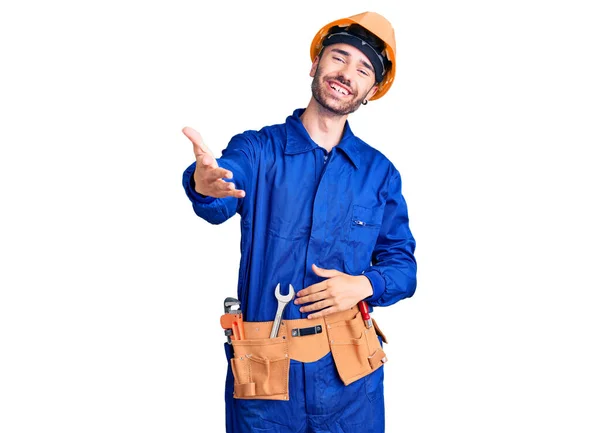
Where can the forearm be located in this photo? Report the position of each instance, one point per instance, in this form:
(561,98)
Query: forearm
(393,273)
(392,280)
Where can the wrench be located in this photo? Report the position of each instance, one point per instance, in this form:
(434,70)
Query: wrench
(282,302)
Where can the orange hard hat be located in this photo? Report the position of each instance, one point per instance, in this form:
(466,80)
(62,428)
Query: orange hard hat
(377,25)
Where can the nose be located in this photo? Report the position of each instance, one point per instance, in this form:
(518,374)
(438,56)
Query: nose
(344,76)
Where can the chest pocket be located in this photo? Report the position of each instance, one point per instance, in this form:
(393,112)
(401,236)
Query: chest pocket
(365,224)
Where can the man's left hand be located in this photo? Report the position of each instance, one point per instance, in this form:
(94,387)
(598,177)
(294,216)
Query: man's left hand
(339,292)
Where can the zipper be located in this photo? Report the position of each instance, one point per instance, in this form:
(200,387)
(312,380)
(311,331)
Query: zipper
(363,224)
(325,167)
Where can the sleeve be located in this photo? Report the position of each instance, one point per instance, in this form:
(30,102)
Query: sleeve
(238,157)
(393,270)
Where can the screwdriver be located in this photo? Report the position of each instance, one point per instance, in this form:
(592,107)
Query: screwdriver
(364,311)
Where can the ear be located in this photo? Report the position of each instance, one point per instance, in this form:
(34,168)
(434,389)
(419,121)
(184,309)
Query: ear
(313,68)
(372,92)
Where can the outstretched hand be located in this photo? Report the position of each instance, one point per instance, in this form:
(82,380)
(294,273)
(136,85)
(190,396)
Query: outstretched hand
(339,292)
(208,175)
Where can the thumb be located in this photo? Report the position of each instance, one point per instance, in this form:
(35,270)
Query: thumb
(200,149)
(327,273)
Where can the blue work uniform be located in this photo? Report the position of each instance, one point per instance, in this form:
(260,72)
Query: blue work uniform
(340,210)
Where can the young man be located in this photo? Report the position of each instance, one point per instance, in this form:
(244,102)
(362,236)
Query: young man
(322,212)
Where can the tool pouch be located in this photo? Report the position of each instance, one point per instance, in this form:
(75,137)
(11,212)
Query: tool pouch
(261,369)
(356,349)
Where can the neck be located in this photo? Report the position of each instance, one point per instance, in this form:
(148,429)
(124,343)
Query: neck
(324,127)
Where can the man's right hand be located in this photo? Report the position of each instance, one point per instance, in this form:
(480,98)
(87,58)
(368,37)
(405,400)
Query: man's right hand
(208,175)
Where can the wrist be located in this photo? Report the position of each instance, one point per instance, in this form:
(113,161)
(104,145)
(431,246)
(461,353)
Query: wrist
(367,288)
(377,284)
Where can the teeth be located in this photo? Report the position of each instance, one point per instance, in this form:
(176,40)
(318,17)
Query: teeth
(339,89)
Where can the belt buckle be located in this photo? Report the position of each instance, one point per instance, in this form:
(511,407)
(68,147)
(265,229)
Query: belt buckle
(311,330)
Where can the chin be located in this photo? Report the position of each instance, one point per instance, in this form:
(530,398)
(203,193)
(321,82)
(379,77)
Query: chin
(331,103)
(340,109)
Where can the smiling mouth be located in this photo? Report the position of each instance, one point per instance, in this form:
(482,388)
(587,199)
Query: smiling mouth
(339,89)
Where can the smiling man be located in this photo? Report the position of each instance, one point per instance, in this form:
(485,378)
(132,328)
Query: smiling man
(321,211)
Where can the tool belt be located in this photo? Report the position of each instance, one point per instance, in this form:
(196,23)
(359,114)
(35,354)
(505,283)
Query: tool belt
(261,364)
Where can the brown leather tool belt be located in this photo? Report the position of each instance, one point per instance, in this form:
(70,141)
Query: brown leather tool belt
(261,364)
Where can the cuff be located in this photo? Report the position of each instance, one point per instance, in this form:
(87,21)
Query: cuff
(378,284)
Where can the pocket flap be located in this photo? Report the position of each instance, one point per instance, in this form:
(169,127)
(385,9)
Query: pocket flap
(367,216)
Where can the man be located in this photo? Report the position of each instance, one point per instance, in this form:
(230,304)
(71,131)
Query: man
(321,211)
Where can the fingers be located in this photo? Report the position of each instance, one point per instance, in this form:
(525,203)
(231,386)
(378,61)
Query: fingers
(217,173)
(323,313)
(328,273)
(313,293)
(318,297)
(208,175)
(317,305)
(228,189)
(220,188)
(209,181)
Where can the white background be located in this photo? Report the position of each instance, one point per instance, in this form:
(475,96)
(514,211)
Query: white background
(112,288)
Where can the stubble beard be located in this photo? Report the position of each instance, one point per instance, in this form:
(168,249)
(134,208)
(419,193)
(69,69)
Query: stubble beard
(320,93)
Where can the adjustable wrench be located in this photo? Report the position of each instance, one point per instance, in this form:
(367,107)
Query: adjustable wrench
(282,302)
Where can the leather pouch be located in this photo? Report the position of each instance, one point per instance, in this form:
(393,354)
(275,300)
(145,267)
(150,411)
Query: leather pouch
(356,350)
(261,369)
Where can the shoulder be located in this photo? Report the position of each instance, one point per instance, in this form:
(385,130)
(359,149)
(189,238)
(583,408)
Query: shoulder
(373,158)
(258,138)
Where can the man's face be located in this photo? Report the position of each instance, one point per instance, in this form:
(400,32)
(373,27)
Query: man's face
(342,79)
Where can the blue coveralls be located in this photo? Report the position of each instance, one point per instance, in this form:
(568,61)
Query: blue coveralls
(343,210)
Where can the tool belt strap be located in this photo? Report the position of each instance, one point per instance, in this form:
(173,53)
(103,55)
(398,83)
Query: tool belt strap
(308,339)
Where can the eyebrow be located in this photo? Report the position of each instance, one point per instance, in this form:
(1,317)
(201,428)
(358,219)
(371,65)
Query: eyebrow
(347,54)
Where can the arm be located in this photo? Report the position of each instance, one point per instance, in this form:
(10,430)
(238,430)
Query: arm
(217,187)
(391,277)
(394,268)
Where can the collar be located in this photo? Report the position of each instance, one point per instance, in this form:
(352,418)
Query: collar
(298,140)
